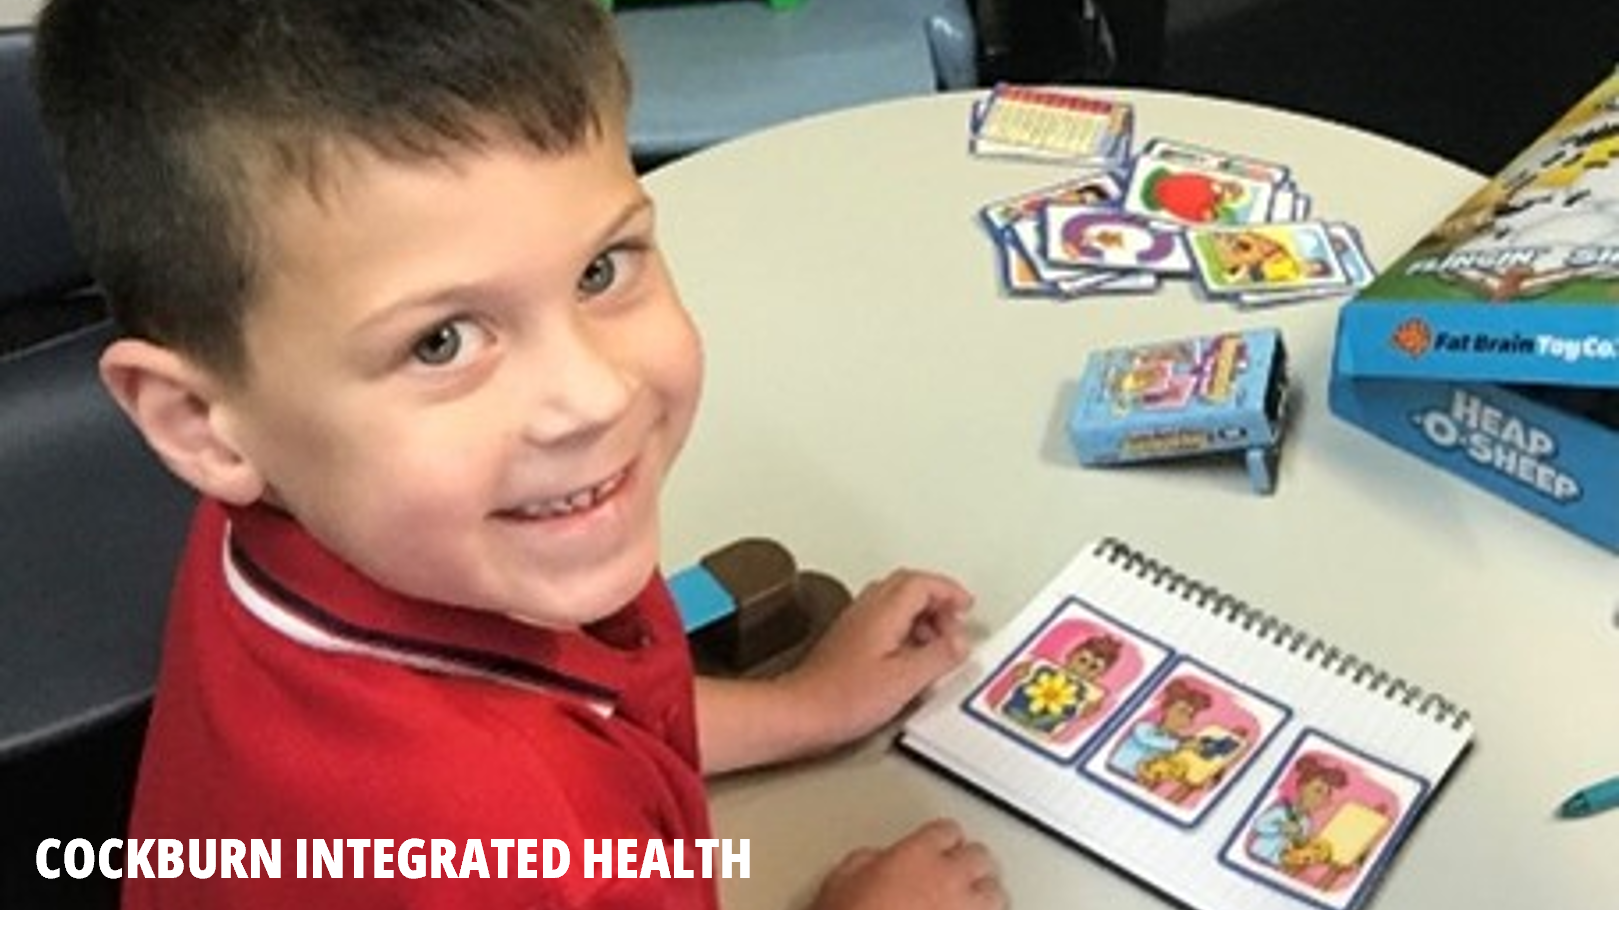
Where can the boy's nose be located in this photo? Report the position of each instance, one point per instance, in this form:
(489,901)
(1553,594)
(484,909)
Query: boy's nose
(579,387)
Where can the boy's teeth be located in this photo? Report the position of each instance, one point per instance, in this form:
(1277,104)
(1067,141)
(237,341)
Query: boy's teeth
(570,503)
(559,505)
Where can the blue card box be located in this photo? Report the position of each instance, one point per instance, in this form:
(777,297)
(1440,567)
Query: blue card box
(1200,395)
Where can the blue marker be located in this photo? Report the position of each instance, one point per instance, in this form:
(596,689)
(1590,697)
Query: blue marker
(1594,799)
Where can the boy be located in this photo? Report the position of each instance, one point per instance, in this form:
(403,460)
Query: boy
(395,308)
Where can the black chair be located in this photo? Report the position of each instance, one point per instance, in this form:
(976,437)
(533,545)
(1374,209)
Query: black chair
(90,531)
(37,258)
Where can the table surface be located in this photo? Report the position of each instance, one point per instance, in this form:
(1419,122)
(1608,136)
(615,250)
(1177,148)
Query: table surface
(15,13)
(874,400)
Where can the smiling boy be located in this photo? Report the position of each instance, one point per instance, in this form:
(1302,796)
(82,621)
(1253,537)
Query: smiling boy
(395,307)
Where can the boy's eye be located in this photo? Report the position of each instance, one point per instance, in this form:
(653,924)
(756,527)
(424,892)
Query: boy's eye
(439,346)
(599,275)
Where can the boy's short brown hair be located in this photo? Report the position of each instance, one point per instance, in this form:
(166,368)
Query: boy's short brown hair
(174,122)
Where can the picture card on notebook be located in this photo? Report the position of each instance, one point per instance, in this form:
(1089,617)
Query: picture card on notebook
(1225,757)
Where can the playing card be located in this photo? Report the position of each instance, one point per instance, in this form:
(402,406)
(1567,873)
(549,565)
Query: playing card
(1266,259)
(1086,236)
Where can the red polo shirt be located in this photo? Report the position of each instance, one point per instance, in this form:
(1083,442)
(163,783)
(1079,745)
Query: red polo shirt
(298,699)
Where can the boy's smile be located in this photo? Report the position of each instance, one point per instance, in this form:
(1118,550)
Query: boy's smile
(469,376)
(574,504)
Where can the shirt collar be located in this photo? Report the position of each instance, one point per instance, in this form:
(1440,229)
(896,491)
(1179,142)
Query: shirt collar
(295,586)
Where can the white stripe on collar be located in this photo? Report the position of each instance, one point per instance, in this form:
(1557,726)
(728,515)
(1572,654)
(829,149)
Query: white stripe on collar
(300,629)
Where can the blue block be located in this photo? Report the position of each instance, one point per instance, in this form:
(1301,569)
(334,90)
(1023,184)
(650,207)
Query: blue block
(700,598)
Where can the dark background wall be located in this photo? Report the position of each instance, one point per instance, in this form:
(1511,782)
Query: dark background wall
(1472,80)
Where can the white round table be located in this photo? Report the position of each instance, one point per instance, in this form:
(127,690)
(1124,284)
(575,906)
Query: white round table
(874,400)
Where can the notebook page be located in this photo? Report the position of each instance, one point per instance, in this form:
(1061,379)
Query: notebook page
(1225,759)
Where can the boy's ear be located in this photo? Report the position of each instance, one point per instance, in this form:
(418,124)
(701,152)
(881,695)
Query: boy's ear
(174,402)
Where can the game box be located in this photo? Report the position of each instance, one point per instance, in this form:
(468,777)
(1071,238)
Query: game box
(1219,393)
(1491,347)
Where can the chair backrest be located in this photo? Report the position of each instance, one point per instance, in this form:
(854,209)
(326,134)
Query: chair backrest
(36,250)
(707,71)
(91,527)
(91,535)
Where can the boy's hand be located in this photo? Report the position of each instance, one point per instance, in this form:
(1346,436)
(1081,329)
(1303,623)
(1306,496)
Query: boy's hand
(896,638)
(934,868)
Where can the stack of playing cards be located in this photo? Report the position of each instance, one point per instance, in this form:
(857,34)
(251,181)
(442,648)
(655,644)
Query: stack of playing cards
(1237,226)
(1054,124)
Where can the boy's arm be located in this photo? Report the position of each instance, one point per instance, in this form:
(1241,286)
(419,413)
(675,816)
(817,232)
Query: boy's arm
(897,637)
(743,723)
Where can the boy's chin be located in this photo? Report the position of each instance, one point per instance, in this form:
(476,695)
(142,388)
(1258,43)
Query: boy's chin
(595,600)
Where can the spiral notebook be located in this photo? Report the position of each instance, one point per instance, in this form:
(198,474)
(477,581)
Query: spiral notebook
(1223,756)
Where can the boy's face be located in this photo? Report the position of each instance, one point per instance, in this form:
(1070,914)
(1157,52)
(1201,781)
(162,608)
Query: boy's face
(468,378)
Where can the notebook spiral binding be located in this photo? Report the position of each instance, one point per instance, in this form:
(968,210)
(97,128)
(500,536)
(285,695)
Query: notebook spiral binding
(1269,627)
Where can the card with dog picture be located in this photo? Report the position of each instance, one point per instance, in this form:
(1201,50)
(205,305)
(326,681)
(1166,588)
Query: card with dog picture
(1265,259)
(1186,742)
(1325,824)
